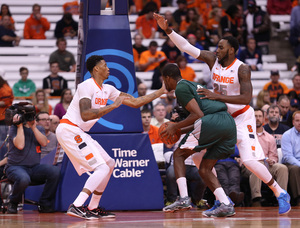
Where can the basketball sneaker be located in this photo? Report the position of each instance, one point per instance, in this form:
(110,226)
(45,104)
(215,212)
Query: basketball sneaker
(81,212)
(284,203)
(179,205)
(207,212)
(102,213)
(221,211)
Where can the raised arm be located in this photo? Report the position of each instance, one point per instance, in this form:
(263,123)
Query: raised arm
(89,113)
(206,56)
(140,101)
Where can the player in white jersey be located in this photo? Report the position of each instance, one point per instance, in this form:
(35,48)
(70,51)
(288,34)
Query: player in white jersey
(87,107)
(232,84)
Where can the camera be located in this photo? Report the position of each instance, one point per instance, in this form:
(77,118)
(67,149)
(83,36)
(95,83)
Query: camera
(25,110)
(181,112)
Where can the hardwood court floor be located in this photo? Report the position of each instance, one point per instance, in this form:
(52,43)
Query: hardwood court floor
(259,217)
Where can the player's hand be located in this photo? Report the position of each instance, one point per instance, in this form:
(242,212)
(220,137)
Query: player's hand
(207,94)
(163,87)
(120,100)
(161,21)
(169,132)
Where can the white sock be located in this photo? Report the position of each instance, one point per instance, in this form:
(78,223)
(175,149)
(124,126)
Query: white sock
(276,189)
(221,196)
(81,198)
(181,182)
(94,203)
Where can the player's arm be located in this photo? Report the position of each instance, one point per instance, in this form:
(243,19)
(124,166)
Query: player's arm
(140,101)
(245,96)
(89,113)
(206,56)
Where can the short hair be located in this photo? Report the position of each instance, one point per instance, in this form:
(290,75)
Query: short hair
(171,70)
(283,97)
(298,74)
(36,5)
(37,115)
(159,104)
(153,43)
(295,113)
(273,106)
(61,39)
(23,68)
(233,42)
(92,61)
(259,109)
(143,111)
(53,63)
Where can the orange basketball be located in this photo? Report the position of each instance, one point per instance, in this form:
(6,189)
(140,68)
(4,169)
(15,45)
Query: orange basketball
(173,139)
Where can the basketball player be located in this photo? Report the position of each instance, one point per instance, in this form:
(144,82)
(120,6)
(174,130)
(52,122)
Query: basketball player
(87,107)
(208,125)
(231,80)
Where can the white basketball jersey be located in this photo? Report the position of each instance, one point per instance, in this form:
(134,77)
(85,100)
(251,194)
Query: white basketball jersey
(98,96)
(226,82)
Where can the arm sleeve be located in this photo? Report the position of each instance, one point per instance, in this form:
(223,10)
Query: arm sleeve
(184,45)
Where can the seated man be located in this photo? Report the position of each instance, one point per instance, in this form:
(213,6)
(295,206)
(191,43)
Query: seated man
(24,87)
(290,147)
(159,113)
(252,55)
(23,165)
(8,38)
(148,128)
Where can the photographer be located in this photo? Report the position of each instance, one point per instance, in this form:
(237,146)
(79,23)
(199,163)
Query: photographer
(23,165)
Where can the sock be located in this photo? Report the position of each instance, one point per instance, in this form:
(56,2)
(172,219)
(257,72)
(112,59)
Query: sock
(94,203)
(181,182)
(221,196)
(276,188)
(81,198)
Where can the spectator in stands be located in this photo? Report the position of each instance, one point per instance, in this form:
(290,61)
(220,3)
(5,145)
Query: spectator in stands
(54,121)
(294,106)
(36,25)
(275,87)
(5,11)
(8,38)
(156,77)
(205,7)
(187,72)
(145,24)
(229,175)
(148,128)
(252,55)
(296,84)
(295,19)
(54,84)
(290,147)
(138,45)
(24,87)
(258,24)
(181,11)
(71,7)
(284,106)
(229,21)
(24,166)
(295,41)
(142,91)
(280,7)
(64,58)
(151,58)
(169,101)
(159,115)
(6,99)
(274,127)
(65,100)
(263,98)
(66,27)
(192,40)
(43,119)
(190,17)
(172,24)
(214,20)
(277,170)
(40,101)
(141,4)
(171,51)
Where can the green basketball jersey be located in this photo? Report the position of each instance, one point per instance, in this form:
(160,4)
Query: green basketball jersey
(187,90)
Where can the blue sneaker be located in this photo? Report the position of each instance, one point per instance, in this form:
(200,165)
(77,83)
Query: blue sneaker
(284,203)
(216,204)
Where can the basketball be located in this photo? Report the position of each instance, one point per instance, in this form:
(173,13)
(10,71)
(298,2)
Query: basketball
(173,139)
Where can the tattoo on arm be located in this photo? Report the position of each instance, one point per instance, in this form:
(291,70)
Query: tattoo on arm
(244,73)
(208,57)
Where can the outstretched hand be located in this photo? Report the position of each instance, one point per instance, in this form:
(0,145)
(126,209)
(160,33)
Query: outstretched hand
(207,94)
(161,21)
